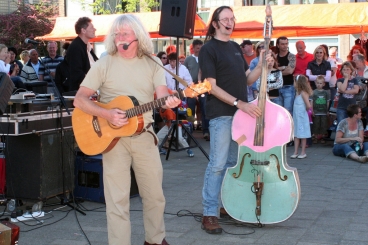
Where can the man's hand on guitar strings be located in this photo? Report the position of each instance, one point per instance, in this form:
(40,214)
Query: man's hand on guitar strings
(117,117)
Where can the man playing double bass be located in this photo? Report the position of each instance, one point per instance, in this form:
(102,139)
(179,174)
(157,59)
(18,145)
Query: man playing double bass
(223,65)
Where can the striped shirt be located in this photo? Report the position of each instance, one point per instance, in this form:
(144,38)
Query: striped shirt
(50,66)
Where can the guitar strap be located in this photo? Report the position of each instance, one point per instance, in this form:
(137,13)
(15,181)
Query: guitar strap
(180,80)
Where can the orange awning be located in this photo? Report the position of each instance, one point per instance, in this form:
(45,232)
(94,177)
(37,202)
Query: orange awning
(301,20)
(64,26)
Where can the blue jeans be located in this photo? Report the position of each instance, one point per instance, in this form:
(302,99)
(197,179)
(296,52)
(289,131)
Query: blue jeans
(287,95)
(344,150)
(223,154)
(341,114)
(277,100)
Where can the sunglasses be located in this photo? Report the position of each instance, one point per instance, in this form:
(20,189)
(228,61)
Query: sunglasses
(260,46)
(163,58)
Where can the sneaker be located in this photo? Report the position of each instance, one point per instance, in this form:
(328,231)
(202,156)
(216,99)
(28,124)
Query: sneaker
(190,153)
(162,152)
(210,225)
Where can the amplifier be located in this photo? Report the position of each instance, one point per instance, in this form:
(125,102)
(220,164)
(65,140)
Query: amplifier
(89,180)
(35,164)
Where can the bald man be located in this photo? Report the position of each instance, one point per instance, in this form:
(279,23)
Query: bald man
(302,58)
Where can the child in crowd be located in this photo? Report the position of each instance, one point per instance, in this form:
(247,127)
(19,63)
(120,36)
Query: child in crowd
(300,115)
(321,103)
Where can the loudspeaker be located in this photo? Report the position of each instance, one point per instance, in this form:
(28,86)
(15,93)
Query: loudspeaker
(34,167)
(6,90)
(89,180)
(177,18)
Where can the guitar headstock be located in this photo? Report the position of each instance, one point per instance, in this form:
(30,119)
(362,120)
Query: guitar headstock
(197,89)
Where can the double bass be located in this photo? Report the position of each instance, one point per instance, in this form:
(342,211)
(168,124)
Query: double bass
(262,188)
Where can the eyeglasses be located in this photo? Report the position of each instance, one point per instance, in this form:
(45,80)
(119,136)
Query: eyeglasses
(261,47)
(227,20)
(163,58)
(122,34)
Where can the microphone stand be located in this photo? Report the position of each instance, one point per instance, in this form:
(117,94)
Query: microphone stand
(62,104)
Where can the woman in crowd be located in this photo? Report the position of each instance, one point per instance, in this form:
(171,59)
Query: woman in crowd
(347,87)
(356,49)
(319,66)
(163,57)
(274,81)
(24,56)
(253,90)
(349,140)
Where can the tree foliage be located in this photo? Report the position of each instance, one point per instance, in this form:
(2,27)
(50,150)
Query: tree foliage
(27,21)
(118,6)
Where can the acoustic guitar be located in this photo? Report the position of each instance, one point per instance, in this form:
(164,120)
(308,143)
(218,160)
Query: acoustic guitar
(95,135)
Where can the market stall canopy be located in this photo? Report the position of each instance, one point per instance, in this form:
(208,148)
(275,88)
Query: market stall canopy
(301,20)
(64,26)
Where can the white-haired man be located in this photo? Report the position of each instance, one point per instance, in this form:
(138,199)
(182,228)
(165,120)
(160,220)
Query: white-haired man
(126,70)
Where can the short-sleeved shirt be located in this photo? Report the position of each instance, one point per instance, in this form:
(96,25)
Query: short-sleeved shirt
(302,63)
(224,62)
(320,99)
(113,76)
(347,99)
(344,128)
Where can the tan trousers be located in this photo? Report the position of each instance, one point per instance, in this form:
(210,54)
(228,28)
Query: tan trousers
(142,153)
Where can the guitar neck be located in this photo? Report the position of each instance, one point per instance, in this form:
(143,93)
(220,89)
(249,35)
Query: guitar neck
(137,110)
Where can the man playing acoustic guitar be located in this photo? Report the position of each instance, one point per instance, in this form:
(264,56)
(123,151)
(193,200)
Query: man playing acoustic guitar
(126,70)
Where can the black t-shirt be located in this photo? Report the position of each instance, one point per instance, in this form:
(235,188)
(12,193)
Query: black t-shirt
(224,62)
(284,61)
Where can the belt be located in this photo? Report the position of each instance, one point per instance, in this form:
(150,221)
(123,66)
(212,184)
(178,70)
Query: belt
(145,129)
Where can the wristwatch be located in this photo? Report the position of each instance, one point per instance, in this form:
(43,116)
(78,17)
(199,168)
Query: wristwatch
(236,102)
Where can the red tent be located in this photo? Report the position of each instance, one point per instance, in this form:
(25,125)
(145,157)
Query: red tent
(64,26)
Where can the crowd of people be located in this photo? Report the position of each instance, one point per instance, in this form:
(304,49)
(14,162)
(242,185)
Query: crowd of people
(304,84)
(330,82)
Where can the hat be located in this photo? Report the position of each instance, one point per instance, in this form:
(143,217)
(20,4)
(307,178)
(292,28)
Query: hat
(246,42)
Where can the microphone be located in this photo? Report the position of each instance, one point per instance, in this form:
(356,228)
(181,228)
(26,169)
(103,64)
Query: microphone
(227,28)
(27,40)
(126,46)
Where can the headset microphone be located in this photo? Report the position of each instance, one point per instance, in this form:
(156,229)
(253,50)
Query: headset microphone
(126,46)
(227,28)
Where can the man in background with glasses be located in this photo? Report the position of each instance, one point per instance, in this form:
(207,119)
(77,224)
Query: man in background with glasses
(222,63)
